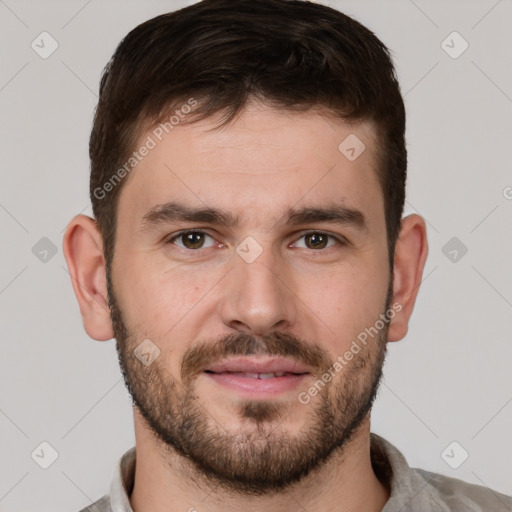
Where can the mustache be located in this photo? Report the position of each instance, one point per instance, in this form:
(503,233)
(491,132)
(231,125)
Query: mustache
(201,355)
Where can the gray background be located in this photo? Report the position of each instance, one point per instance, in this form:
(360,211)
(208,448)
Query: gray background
(449,380)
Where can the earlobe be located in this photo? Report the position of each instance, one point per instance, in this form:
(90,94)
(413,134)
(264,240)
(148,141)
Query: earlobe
(410,256)
(83,250)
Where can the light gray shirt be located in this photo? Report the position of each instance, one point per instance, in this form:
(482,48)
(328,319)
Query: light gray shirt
(411,489)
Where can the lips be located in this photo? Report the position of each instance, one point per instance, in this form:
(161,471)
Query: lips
(258,377)
(259,368)
(261,376)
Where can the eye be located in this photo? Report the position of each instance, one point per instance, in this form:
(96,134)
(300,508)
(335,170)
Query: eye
(191,240)
(318,240)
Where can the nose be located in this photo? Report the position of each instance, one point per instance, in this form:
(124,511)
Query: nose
(258,296)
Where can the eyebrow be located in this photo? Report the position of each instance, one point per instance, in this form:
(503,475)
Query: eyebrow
(178,212)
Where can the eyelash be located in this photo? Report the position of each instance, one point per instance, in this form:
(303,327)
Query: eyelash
(341,241)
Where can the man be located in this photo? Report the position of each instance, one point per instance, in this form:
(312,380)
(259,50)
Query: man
(249,255)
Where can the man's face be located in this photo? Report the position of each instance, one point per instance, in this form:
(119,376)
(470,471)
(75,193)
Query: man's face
(231,303)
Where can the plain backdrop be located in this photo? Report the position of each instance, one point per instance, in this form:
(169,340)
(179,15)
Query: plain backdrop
(448,381)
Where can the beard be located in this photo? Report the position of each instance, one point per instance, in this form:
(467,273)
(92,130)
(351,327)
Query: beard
(259,457)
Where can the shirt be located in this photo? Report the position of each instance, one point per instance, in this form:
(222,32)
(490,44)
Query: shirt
(411,489)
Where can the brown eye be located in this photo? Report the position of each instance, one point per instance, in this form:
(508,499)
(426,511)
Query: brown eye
(192,240)
(318,240)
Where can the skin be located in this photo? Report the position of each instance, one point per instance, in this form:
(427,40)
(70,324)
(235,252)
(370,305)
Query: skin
(257,167)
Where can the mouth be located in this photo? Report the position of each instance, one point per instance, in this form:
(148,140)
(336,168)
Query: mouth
(256,377)
(261,376)
(259,365)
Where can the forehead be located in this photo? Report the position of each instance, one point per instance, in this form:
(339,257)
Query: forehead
(263,163)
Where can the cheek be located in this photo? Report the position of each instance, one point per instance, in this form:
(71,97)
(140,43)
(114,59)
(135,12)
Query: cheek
(156,298)
(160,308)
(160,301)
(343,304)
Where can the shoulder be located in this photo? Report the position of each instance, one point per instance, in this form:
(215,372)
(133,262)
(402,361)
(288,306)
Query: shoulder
(102,505)
(460,496)
(418,490)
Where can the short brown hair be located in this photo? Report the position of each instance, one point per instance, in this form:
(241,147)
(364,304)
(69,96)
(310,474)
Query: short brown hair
(291,54)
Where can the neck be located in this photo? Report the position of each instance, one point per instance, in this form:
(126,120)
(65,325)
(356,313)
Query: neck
(167,482)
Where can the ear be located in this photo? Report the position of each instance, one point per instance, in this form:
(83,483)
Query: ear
(83,250)
(410,255)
